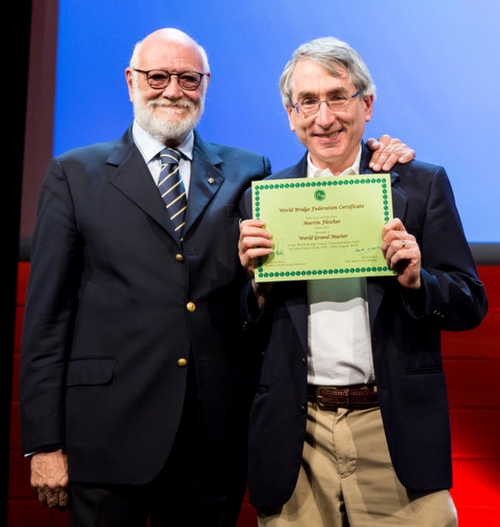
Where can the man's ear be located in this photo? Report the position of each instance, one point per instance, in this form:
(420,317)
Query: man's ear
(368,101)
(130,83)
(290,110)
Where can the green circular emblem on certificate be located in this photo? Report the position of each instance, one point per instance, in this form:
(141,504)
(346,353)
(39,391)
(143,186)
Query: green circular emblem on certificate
(319,195)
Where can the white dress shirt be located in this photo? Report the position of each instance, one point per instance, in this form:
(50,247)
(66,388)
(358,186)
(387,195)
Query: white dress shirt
(150,149)
(338,326)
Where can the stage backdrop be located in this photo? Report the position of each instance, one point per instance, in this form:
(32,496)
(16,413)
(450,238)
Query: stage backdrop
(435,63)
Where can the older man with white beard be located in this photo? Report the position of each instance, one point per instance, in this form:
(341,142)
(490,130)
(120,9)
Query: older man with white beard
(134,384)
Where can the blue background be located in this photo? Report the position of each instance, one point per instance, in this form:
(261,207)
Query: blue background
(436,65)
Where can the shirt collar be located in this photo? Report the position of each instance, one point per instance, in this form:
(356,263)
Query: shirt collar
(150,147)
(313,171)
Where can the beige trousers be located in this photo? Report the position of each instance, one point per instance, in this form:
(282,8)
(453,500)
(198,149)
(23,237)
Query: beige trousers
(347,479)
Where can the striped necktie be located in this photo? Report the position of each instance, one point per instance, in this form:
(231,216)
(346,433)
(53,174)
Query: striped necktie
(172,188)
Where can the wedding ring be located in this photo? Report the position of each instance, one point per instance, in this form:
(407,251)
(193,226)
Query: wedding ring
(403,244)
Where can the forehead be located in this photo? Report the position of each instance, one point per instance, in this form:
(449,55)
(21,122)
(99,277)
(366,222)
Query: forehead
(170,55)
(311,77)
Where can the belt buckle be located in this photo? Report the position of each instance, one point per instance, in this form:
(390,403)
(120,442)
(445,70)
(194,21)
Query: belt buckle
(319,397)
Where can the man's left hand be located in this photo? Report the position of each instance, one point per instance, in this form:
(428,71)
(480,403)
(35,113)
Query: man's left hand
(402,253)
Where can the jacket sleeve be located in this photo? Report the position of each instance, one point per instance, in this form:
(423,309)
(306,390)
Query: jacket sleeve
(453,296)
(49,314)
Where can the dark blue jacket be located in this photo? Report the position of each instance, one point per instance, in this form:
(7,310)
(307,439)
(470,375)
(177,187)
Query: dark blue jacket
(405,332)
(114,302)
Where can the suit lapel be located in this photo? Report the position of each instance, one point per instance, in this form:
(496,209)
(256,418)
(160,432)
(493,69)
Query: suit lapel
(206,180)
(376,286)
(296,304)
(130,175)
(296,292)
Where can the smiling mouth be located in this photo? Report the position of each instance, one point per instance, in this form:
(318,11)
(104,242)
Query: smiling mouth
(171,106)
(172,109)
(331,135)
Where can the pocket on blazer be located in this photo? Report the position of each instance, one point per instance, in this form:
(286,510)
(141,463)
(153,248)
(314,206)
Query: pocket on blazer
(90,371)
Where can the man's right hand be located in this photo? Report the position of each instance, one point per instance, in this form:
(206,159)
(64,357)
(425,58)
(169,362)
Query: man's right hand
(49,478)
(254,241)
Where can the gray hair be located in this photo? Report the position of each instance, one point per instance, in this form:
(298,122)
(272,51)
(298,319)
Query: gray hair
(332,54)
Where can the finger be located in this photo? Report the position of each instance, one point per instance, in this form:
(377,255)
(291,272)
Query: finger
(406,263)
(407,155)
(53,498)
(401,154)
(251,222)
(386,139)
(387,161)
(383,158)
(254,252)
(253,242)
(395,224)
(390,155)
(252,232)
(63,499)
(53,501)
(398,156)
(249,254)
(252,225)
(372,144)
(402,249)
(250,229)
(43,496)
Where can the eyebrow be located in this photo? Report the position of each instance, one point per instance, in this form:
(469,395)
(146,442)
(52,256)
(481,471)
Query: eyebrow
(334,91)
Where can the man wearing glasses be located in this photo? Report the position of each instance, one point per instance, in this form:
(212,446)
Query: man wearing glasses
(350,422)
(133,389)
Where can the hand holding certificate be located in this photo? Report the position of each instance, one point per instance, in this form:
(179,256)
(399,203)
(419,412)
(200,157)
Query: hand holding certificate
(326,227)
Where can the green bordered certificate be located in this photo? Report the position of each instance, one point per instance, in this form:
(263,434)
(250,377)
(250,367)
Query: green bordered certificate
(325,227)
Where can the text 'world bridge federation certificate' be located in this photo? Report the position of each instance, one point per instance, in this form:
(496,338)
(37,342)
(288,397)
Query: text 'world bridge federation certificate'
(325,227)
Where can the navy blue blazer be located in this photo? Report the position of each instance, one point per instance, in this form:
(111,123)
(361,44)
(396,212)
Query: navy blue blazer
(114,302)
(405,331)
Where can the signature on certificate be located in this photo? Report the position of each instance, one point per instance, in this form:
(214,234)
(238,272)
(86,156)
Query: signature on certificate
(280,248)
(367,249)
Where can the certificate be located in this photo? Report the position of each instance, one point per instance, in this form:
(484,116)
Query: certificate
(324,227)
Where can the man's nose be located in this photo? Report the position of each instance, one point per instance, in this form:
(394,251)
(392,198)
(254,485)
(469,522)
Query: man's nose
(173,89)
(325,115)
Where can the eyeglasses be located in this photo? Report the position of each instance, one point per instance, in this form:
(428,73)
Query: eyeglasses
(159,79)
(309,105)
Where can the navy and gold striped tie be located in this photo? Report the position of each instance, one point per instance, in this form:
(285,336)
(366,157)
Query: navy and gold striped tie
(172,188)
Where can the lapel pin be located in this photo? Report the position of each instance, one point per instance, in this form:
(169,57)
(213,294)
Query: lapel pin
(211,180)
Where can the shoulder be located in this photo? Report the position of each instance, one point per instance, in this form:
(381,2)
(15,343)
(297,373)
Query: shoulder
(88,150)
(419,175)
(228,153)
(99,150)
(417,167)
(294,171)
(94,156)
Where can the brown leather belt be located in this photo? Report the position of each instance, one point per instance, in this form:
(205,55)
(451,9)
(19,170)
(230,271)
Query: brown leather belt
(353,397)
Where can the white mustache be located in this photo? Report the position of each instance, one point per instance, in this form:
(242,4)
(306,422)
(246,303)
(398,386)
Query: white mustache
(166,104)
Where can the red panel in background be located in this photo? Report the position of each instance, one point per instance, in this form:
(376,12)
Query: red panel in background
(490,276)
(476,492)
(475,433)
(23,271)
(473,383)
(248,516)
(472,366)
(480,343)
